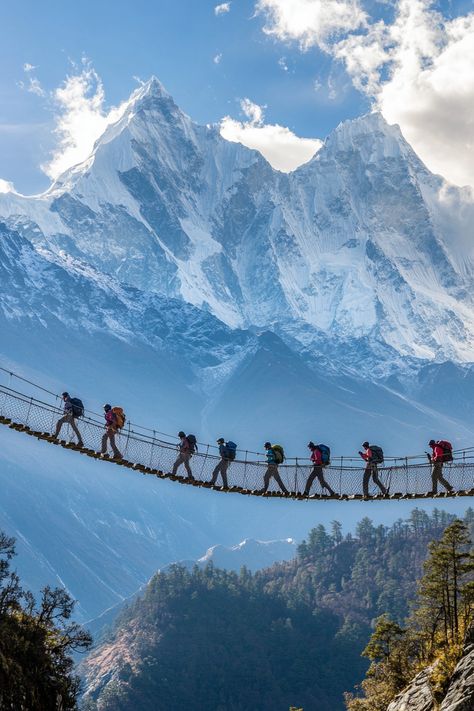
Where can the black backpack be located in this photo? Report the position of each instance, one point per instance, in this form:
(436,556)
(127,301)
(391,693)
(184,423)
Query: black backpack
(377,454)
(77,407)
(192,442)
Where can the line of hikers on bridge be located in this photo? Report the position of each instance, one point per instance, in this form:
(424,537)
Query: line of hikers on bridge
(320,456)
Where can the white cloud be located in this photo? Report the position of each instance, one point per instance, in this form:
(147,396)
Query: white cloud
(222,8)
(27,67)
(281,147)
(282,63)
(81,117)
(417,70)
(310,22)
(6,186)
(217,58)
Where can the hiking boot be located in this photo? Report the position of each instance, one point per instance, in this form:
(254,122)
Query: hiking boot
(80,444)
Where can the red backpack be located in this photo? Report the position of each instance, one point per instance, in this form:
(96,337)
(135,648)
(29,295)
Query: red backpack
(447,448)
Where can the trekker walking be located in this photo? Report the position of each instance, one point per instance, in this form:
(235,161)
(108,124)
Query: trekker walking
(73,408)
(187,445)
(442,451)
(317,471)
(373,455)
(275,456)
(112,426)
(227,453)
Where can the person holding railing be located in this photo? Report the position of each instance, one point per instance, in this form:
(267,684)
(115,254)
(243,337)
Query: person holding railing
(227,454)
(186,449)
(111,428)
(442,451)
(373,455)
(275,456)
(73,408)
(317,470)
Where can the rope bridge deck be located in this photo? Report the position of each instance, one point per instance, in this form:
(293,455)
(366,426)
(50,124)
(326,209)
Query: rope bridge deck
(405,477)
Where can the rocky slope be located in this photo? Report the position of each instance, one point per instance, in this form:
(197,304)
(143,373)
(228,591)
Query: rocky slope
(460,694)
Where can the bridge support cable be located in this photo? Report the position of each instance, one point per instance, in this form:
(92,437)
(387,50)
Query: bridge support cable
(149,455)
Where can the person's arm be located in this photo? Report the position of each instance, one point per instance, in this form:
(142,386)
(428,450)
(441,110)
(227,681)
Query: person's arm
(365,455)
(67,406)
(184,444)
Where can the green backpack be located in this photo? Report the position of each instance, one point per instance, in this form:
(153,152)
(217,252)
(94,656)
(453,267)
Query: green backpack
(279,453)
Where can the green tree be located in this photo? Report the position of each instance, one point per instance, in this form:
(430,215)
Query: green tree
(435,631)
(36,640)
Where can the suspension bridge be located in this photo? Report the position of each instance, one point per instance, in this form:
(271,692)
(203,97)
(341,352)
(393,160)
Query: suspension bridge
(152,453)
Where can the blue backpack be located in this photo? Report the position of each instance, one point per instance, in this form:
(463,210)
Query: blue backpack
(325,454)
(230,450)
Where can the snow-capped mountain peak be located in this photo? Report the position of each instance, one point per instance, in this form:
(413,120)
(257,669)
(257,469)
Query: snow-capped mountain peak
(351,245)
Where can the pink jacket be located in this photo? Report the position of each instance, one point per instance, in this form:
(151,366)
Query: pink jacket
(438,453)
(316,456)
(110,418)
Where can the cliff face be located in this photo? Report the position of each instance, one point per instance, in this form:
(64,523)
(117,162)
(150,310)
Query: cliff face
(418,696)
(460,696)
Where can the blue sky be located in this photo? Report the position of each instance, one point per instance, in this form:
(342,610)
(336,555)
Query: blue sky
(211,61)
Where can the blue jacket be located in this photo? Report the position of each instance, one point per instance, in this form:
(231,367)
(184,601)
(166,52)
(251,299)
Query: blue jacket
(223,450)
(270,456)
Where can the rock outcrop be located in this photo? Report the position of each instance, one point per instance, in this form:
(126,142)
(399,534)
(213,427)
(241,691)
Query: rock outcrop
(460,696)
(418,696)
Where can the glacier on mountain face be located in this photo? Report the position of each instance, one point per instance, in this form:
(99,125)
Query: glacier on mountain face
(181,276)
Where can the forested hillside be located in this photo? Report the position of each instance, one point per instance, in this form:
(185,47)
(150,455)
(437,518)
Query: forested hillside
(290,635)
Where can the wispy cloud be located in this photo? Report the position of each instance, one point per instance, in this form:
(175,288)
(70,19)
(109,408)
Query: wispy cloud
(81,117)
(418,70)
(217,58)
(282,148)
(31,83)
(222,8)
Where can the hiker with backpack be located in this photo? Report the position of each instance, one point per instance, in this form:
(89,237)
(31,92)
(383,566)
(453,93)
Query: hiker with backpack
(275,456)
(227,451)
(73,408)
(114,421)
(442,451)
(320,456)
(373,455)
(187,446)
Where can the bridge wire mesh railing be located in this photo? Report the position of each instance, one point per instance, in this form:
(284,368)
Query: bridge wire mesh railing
(405,477)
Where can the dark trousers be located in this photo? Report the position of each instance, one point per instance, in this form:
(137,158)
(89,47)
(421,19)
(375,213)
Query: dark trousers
(372,471)
(109,435)
(183,458)
(272,471)
(221,469)
(69,419)
(437,476)
(317,472)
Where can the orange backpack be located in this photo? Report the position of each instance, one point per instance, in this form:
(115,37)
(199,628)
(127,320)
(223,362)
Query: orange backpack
(120,417)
